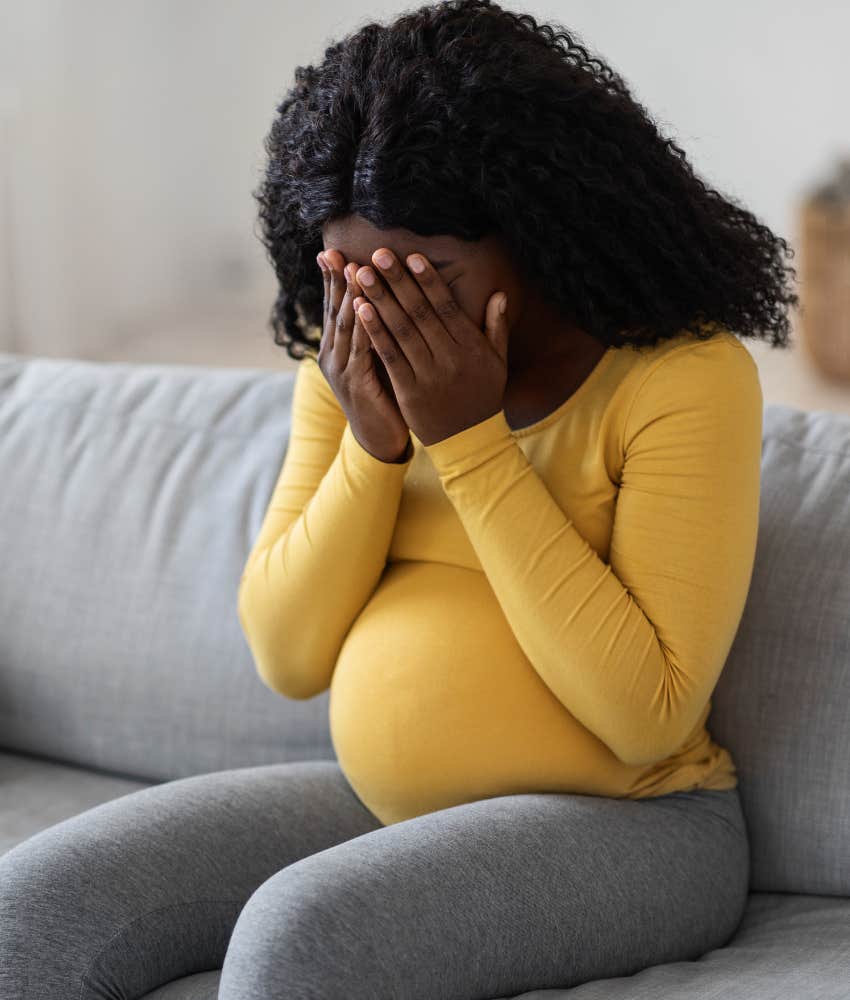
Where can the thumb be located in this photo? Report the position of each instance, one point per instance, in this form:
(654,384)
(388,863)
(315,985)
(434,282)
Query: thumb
(497,325)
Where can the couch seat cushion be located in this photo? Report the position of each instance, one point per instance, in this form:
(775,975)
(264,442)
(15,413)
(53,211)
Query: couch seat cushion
(38,792)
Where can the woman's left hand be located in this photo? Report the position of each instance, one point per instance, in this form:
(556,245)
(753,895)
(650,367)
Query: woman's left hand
(446,373)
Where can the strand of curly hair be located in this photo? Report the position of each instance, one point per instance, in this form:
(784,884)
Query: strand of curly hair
(465,119)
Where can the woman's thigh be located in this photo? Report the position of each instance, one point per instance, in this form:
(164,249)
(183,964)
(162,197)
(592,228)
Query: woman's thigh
(496,897)
(146,888)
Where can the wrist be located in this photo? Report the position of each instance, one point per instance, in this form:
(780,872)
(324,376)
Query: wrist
(395,459)
(405,456)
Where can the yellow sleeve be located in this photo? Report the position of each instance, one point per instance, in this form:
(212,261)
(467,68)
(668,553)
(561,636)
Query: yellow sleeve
(632,649)
(322,546)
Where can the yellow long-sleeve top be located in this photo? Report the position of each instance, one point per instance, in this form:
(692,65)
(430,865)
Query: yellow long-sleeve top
(543,609)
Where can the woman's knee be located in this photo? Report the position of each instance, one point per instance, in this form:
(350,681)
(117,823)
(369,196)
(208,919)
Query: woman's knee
(92,903)
(48,929)
(70,927)
(392,913)
(319,927)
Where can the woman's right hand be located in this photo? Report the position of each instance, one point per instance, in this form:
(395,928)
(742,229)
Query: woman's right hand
(349,365)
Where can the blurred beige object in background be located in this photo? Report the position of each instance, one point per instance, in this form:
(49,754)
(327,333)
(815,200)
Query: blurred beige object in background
(824,319)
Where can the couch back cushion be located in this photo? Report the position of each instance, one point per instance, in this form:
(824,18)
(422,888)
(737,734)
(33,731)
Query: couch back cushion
(782,705)
(130,498)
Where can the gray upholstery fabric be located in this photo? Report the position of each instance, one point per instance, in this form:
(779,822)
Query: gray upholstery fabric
(786,947)
(37,792)
(201,986)
(782,705)
(131,496)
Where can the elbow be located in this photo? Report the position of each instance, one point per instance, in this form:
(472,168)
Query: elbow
(637,754)
(277,664)
(648,745)
(661,728)
(290,683)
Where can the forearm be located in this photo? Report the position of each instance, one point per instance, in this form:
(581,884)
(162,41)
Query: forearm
(299,595)
(580,627)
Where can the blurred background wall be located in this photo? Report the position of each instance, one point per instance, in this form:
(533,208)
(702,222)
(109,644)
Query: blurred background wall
(131,139)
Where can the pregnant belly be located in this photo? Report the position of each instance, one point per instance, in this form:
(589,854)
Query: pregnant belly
(433,702)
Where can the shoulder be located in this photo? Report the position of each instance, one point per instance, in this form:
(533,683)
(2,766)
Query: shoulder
(692,377)
(686,351)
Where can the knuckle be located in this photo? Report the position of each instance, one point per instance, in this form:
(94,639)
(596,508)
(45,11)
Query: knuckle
(388,355)
(447,309)
(403,329)
(420,311)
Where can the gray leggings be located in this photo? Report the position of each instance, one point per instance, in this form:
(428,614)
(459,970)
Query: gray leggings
(279,876)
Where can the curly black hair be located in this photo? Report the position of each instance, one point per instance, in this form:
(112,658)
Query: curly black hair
(465,119)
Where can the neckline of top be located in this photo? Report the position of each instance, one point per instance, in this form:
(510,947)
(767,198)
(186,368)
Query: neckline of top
(577,393)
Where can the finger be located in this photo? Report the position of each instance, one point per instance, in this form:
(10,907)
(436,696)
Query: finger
(360,343)
(405,286)
(326,280)
(405,313)
(336,262)
(395,361)
(443,304)
(344,324)
(380,370)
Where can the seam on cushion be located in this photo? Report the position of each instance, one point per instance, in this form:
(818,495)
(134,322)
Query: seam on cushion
(135,920)
(120,414)
(805,447)
(59,374)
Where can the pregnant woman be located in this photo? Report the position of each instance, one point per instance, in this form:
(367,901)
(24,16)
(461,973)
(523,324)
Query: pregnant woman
(515,546)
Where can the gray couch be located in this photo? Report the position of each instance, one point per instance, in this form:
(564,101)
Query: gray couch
(129,499)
